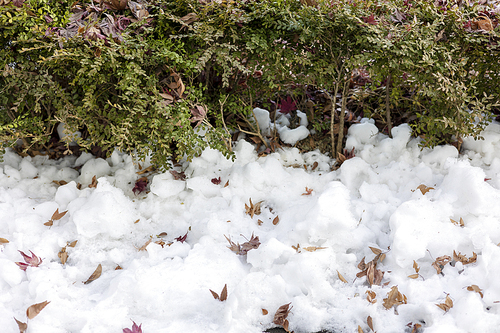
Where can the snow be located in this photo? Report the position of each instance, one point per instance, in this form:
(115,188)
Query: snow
(372,200)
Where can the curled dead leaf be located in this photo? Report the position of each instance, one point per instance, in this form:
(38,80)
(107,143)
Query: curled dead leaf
(463,259)
(370,297)
(95,275)
(360,330)
(424,189)
(264,312)
(308,191)
(35,309)
(394,298)
(461,223)
(63,255)
(476,289)
(440,262)
(94,182)
(253,209)
(447,305)
(369,321)
(223,294)
(281,314)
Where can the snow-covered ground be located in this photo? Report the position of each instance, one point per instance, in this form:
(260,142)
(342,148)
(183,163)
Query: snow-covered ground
(314,228)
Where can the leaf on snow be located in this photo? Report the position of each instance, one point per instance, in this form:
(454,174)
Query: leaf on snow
(424,189)
(253,209)
(216,181)
(63,255)
(35,309)
(73,243)
(308,191)
(95,275)
(143,248)
(281,315)
(3,241)
(242,249)
(313,248)
(182,239)
(370,297)
(440,262)
(264,312)
(476,289)
(375,250)
(394,297)
(276,220)
(140,185)
(135,328)
(461,223)
(22,326)
(463,259)
(341,277)
(56,216)
(32,261)
(369,321)
(447,305)
(223,294)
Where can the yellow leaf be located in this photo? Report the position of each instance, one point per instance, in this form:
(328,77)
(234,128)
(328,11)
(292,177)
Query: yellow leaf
(341,277)
(360,330)
(413,276)
(3,241)
(35,309)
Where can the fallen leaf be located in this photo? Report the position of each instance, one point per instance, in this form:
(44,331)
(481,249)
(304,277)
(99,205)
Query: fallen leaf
(140,185)
(73,243)
(135,328)
(424,189)
(476,289)
(415,266)
(461,223)
(60,182)
(242,249)
(341,277)
(447,305)
(57,216)
(63,255)
(313,248)
(3,241)
(49,223)
(370,297)
(32,261)
(94,182)
(182,239)
(369,321)
(281,314)
(440,262)
(118,267)
(35,309)
(276,220)
(223,294)
(259,222)
(360,330)
(226,184)
(413,276)
(216,181)
(375,250)
(394,298)
(264,312)
(148,169)
(308,191)
(253,209)
(463,259)
(143,248)
(314,166)
(95,275)
(382,257)
(296,248)
(22,326)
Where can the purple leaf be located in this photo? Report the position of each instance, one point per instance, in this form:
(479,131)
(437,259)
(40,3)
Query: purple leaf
(216,181)
(135,329)
(182,239)
(287,105)
(140,185)
(32,261)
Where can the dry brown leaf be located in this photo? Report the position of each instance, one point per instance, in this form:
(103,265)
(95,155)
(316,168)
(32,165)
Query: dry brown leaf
(35,309)
(296,248)
(440,263)
(369,321)
(394,297)
(22,326)
(415,266)
(95,275)
(60,182)
(143,248)
(463,259)
(413,276)
(360,330)
(308,191)
(3,241)
(375,250)
(313,248)
(118,267)
(341,277)
(226,184)
(223,294)
(94,182)
(424,189)
(264,312)
(63,255)
(382,257)
(447,305)
(137,221)
(276,220)
(148,169)
(461,223)
(281,314)
(259,222)
(253,209)
(57,216)
(214,294)
(476,289)
(73,243)
(370,297)
(314,166)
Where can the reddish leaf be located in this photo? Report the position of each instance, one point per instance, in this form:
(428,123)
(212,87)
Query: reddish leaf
(287,105)
(281,314)
(182,239)
(140,185)
(135,328)
(199,113)
(32,261)
(216,181)
(370,19)
(178,175)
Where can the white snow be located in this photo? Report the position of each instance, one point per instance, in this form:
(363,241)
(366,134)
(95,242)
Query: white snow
(372,200)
